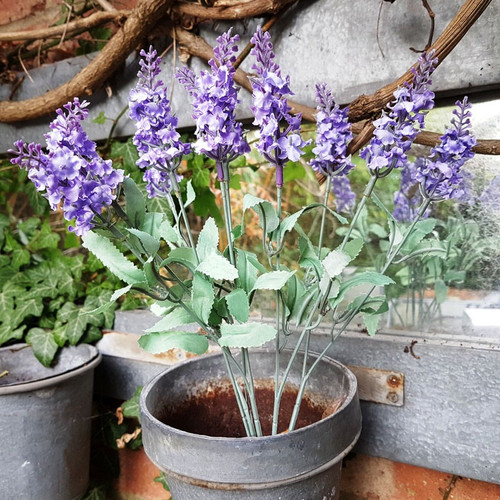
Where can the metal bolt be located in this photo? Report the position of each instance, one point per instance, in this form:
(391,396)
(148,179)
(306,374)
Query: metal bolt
(393,397)
(393,380)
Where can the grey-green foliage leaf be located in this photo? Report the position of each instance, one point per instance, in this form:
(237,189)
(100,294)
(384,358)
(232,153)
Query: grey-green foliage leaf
(295,290)
(208,240)
(237,303)
(395,235)
(308,257)
(150,244)
(371,322)
(44,345)
(247,265)
(440,290)
(184,256)
(246,334)
(353,247)
(152,223)
(169,234)
(174,319)
(218,268)
(335,262)
(136,205)
(202,296)
(190,194)
(274,280)
(130,408)
(156,343)
(419,232)
(265,211)
(112,258)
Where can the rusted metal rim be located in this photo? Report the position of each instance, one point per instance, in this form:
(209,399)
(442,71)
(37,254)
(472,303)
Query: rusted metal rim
(35,385)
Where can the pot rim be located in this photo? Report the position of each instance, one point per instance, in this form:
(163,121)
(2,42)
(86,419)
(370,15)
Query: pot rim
(35,385)
(353,387)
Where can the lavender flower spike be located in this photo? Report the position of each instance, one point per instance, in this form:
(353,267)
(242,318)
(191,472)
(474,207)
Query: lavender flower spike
(345,197)
(215,96)
(270,107)
(71,173)
(157,140)
(333,132)
(440,176)
(396,130)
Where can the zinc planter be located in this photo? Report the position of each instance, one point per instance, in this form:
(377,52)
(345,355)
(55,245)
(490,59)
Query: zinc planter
(45,418)
(301,465)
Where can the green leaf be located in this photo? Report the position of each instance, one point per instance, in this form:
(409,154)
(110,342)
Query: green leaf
(308,257)
(136,205)
(114,297)
(208,239)
(31,307)
(440,290)
(75,327)
(152,223)
(19,258)
(246,334)
(127,152)
(112,258)
(7,333)
(6,305)
(295,289)
(420,231)
(247,265)
(169,234)
(156,343)
(274,280)
(395,235)
(149,243)
(353,247)
(174,319)
(44,345)
(237,303)
(100,119)
(265,211)
(190,194)
(184,256)
(162,480)
(371,322)
(218,268)
(130,408)
(205,205)
(335,262)
(203,296)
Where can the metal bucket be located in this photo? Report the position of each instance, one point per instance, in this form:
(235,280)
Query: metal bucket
(45,423)
(304,464)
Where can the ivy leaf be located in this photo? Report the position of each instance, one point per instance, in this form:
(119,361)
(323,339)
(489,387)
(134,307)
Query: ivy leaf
(265,211)
(203,296)
(75,327)
(25,308)
(114,297)
(20,257)
(274,280)
(44,345)
(8,333)
(6,305)
(112,258)
(246,334)
(130,408)
(218,268)
(156,343)
(100,119)
(208,239)
(127,152)
(238,305)
(174,319)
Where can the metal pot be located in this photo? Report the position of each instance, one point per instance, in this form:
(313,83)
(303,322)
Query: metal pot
(45,423)
(304,464)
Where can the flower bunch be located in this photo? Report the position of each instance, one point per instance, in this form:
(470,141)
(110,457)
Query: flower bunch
(396,129)
(440,176)
(270,108)
(158,143)
(72,173)
(215,96)
(407,199)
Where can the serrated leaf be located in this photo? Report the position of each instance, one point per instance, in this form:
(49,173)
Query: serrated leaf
(43,344)
(114,297)
(184,256)
(353,247)
(208,240)
(152,223)
(295,290)
(274,280)
(335,262)
(371,322)
(190,194)
(218,268)
(174,319)
(246,335)
(421,229)
(237,303)
(156,343)
(169,234)
(265,211)
(112,258)
(135,203)
(202,296)
(149,243)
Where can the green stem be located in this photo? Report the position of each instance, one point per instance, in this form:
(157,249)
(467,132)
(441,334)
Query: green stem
(323,215)
(251,390)
(226,203)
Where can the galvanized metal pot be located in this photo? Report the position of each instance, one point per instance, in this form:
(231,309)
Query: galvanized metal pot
(301,465)
(45,423)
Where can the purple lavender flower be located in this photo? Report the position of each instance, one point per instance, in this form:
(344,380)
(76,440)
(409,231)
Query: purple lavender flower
(440,176)
(396,130)
(345,197)
(158,142)
(215,96)
(71,173)
(333,132)
(408,198)
(270,107)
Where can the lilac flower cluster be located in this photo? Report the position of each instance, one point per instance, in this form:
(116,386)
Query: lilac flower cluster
(215,96)
(408,198)
(71,173)
(440,176)
(396,130)
(345,198)
(270,107)
(158,142)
